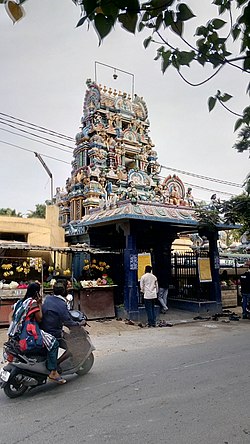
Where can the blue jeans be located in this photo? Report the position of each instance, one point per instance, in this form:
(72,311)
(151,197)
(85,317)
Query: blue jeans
(52,357)
(150,310)
(245,300)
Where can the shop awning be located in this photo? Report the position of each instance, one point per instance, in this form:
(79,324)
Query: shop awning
(77,248)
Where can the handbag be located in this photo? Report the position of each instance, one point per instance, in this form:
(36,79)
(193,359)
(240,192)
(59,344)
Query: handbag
(30,336)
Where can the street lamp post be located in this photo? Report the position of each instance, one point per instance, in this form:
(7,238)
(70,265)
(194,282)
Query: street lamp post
(48,172)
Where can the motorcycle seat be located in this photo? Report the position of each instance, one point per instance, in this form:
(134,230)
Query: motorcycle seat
(35,353)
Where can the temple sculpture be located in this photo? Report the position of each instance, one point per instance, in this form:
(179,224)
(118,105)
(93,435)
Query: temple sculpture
(115,159)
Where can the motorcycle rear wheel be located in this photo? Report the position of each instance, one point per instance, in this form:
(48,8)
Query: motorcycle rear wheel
(14,387)
(86,366)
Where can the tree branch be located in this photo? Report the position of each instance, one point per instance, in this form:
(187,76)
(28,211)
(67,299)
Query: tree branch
(200,83)
(228,109)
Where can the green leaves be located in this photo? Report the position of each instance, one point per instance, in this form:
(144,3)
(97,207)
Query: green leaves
(146,42)
(213,42)
(161,3)
(128,21)
(225,97)
(105,13)
(238,123)
(110,9)
(103,25)
(208,218)
(217,23)
(165,60)
(243,142)
(184,13)
(211,103)
(168,18)
(175,58)
(236,31)
(246,64)
(245,119)
(81,21)
(220,97)
(237,210)
(177,27)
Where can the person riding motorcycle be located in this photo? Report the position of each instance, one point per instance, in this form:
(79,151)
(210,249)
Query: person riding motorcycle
(56,315)
(29,309)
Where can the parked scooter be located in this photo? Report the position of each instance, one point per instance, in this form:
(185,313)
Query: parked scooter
(26,371)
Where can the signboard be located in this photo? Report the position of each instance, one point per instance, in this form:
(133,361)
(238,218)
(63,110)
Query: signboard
(133,262)
(143,260)
(216,262)
(204,269)
(228,263)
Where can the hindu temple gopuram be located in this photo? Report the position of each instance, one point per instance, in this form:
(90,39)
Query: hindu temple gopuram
(115,197)
(115,159)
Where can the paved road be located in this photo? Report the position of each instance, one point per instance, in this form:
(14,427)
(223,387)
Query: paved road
(191,391)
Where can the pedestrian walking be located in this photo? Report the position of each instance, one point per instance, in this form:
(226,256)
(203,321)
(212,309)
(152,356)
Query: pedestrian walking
(162,278)
(163,297)
(149,288)
(245,291)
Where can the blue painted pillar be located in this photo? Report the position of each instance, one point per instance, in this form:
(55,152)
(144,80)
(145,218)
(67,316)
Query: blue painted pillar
(77,264)
(215,267)
(130,278)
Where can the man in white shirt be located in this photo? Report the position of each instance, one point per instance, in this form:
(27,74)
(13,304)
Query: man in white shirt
(149,288)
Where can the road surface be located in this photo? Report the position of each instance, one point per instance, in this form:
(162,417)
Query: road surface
(188,384)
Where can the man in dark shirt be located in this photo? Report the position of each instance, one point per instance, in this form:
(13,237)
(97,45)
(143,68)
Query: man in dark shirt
(245,291)
(55,312)
(56,315)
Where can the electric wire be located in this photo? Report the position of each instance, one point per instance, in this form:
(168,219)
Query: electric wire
(204,188)
(69,163)
(59,135)
(208,189)
(34,140)
(199,176)
(33,134)
(31,151)
(210,179)
(42,128)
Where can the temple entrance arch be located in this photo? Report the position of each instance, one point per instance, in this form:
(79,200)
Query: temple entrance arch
(132,229)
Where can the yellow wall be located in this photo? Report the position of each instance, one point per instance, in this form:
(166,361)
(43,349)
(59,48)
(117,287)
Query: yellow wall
(44,232)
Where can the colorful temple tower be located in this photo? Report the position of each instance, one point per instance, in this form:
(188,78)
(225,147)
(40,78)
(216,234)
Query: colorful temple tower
(114,158)
(116,199)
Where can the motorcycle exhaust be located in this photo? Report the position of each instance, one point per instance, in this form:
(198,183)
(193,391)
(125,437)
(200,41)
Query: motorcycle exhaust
(29,382)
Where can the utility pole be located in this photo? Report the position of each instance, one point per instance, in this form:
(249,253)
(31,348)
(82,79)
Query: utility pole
(48,172)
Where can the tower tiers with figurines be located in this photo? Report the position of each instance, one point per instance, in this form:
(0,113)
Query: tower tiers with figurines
(114,158)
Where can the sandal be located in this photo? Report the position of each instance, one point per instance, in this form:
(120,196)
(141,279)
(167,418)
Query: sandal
(58,380)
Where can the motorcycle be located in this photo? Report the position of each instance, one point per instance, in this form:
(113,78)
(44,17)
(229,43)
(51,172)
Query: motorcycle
(26,371)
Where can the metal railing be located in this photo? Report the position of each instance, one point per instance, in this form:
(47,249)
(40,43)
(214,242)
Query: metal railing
(185,283)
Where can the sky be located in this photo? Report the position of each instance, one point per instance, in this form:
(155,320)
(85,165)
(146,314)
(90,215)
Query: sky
(45,62)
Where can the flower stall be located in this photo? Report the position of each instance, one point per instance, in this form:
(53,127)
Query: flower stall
(94,293)
(15,273)
(93,290)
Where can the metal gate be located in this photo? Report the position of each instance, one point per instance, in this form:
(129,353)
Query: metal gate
(185,283)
